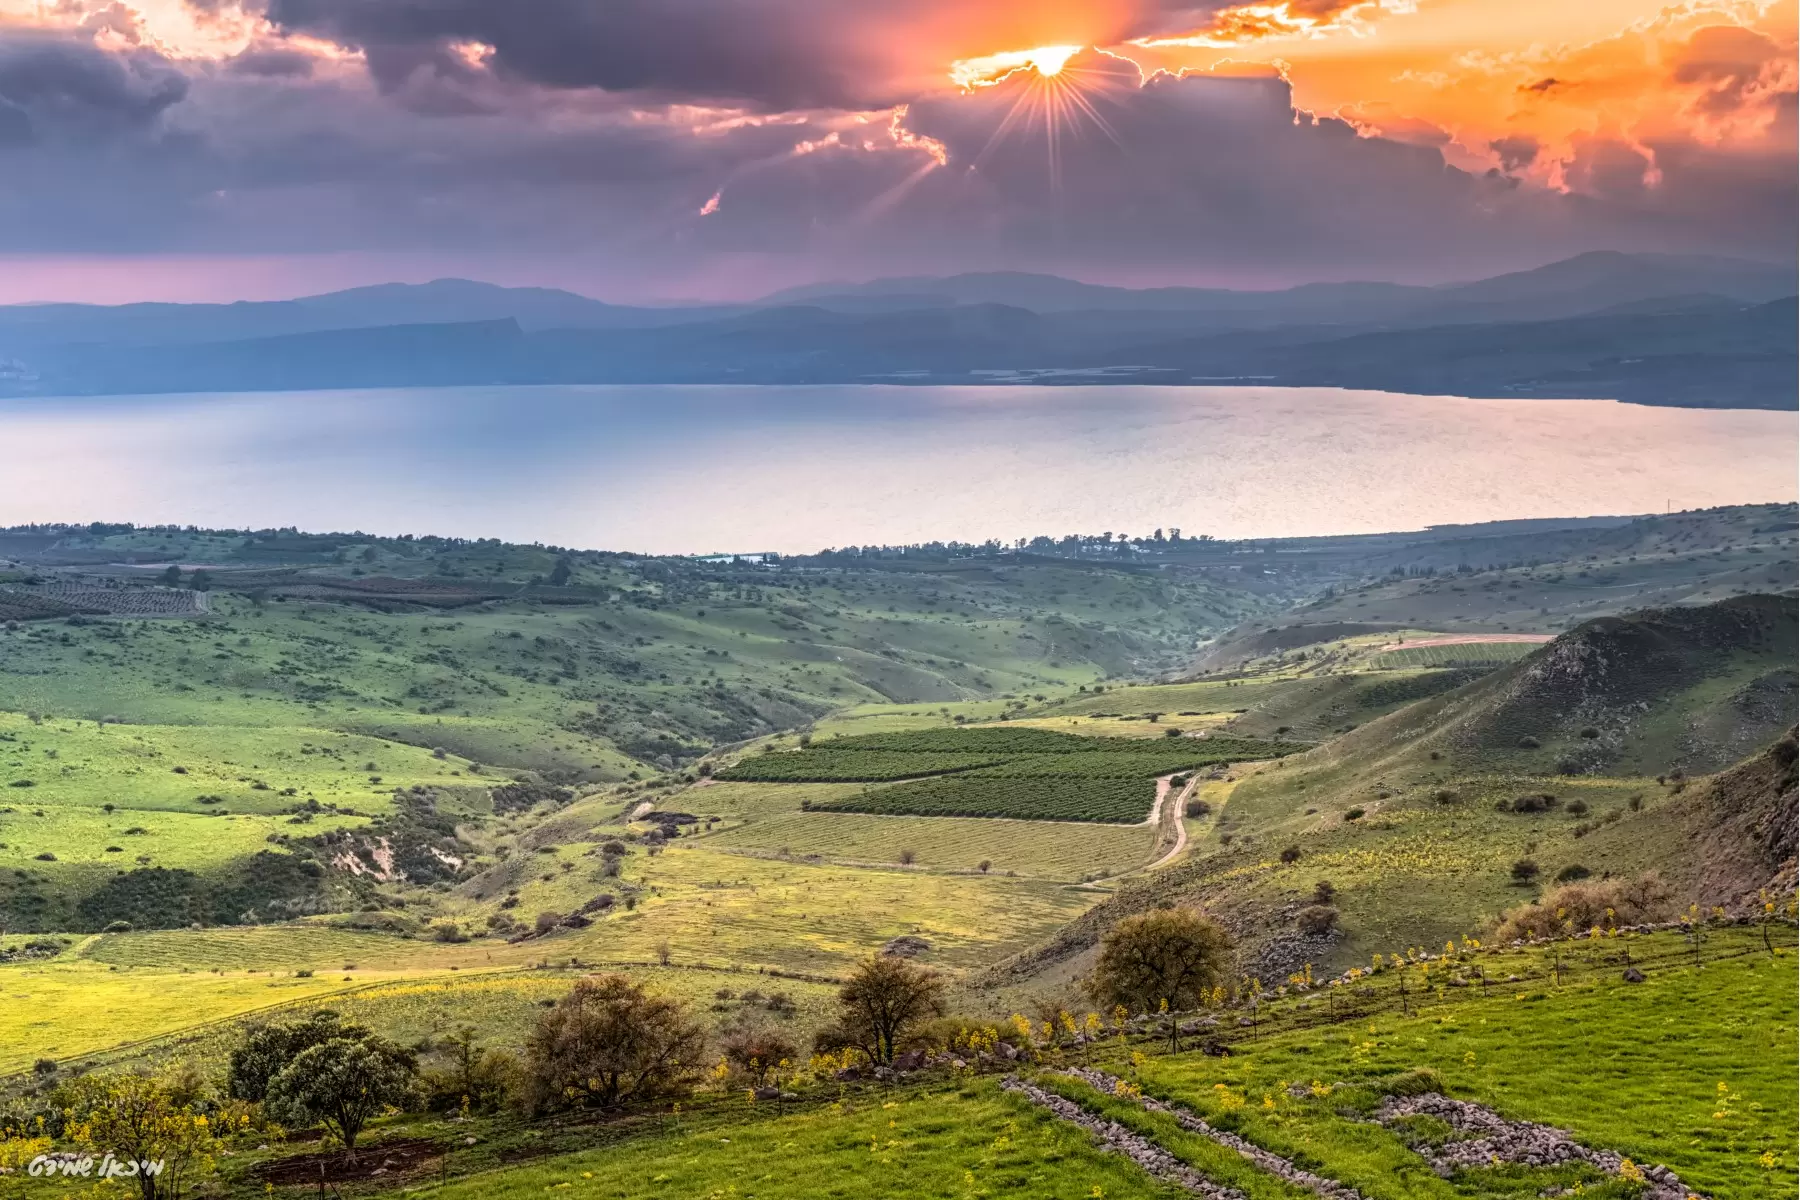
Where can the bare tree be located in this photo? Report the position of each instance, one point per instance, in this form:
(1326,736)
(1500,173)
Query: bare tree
(884,998)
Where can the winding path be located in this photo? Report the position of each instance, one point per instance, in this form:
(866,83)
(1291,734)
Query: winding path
(1162,794)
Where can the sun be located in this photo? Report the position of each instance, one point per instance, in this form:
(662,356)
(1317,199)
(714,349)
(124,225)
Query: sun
(989,69)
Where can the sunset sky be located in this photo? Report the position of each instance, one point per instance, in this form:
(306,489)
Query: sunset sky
(663,149)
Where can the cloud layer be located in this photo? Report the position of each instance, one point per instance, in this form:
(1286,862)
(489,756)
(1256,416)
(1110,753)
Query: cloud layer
(716,144)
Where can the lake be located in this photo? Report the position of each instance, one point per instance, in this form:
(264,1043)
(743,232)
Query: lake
(674,469)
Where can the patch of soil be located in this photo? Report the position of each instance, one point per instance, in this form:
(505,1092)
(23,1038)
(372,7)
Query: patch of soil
(339,1166)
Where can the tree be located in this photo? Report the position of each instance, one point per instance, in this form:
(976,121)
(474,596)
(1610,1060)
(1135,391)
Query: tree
(560,573)
(884,998)
(609,1042)
(1171,956)
(1524,871)
(343,1083)
(171,575)
(143,1122)
(269,1048)
(477,1079)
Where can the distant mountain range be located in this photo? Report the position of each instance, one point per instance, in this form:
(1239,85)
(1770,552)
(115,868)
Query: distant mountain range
(1654,329)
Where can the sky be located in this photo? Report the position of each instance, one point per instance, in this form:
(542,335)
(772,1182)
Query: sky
(664,150)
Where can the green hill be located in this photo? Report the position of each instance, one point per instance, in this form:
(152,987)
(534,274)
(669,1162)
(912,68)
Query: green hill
(1576,761)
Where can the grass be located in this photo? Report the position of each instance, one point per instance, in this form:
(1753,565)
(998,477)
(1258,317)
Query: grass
(1693,1069)
(1028,848)
(65,1011)
(941,1141)
(500,1006)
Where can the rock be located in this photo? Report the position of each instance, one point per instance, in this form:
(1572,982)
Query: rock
(1632,975)
(906,946)
(912,1060)
(768,1093)
(848,1075)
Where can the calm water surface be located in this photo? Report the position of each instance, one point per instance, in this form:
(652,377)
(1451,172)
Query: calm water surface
(695,469)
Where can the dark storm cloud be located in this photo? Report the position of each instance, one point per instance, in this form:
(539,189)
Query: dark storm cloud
(778,53)
(61,85)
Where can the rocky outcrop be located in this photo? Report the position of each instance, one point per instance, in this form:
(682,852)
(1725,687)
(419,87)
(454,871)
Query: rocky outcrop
(1485,1137)
(1117,1139)
(1267,1160)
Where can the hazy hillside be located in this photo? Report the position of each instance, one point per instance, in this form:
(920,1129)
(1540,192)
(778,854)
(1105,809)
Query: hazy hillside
(1644,328)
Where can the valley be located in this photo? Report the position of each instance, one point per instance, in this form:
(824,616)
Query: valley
(432,785)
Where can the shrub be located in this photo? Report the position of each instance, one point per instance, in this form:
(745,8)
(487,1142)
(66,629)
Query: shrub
(1324,892)
(1197,808)
(1535,802)
(1590,733)
(984,866)
(754,1048)
(1317,919)
(1415,1082)
(1584,906)
(1290,854)
(1524,870)
(1529,743)
(546,921)
(1572,872)
(1578,807)
(117,927)
(448,931)
(1171,733)
(610,1042)
(1444,796)
(479,1079)
(1353,814)
(908,857)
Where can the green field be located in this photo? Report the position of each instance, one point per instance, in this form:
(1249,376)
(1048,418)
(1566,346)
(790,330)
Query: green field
(1003,771)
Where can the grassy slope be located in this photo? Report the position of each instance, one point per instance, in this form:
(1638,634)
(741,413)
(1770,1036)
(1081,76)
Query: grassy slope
(1429,857)
(1614,1083)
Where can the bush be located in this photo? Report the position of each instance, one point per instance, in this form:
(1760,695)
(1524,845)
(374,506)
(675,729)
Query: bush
(1415,1082)
(1197,808)
(448,931)
(754,1048)
(480,1080)
(1324,892)
(1353,814)
(607,1043)
(546,921)
(117,927)
(1578,807)
(1317,919)
(1536,802)
(1529,743)
(1585,905)
(1444,796)
(1171,733)
(1290,854)
(1524,871)
(1572,872)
